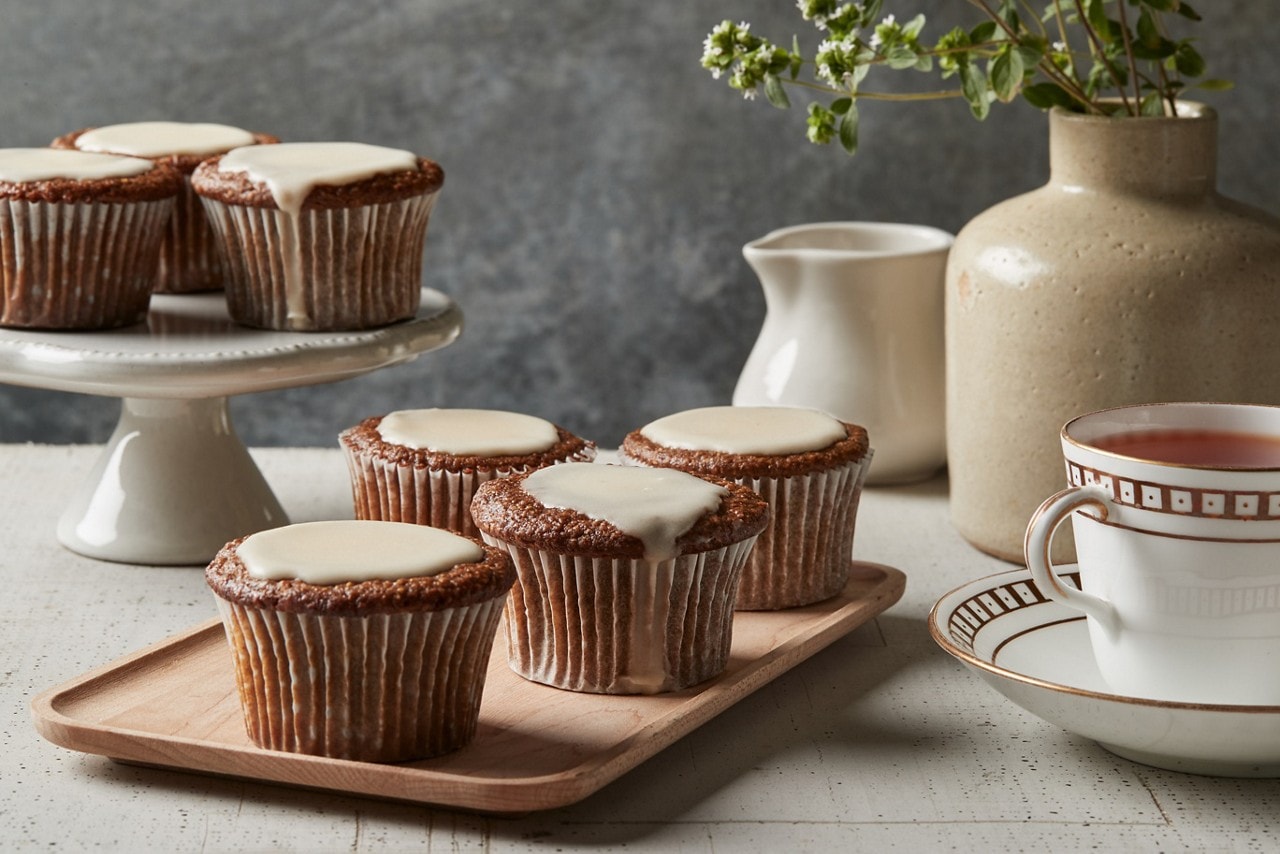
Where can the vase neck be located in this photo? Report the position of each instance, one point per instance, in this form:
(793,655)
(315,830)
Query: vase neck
(1174,156)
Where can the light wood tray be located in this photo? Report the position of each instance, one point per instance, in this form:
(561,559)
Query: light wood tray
(174,705)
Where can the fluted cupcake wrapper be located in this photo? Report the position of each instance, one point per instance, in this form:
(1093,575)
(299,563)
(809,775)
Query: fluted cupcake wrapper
(78,266)
(385,491)
(378,688)
(325,270)
(805,553)
(190,258)
(621,626)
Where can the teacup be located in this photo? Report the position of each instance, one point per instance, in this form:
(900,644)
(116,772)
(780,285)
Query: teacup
(1175,509)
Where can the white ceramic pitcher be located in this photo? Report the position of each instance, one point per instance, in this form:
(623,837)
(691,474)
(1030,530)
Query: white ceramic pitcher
(854,326)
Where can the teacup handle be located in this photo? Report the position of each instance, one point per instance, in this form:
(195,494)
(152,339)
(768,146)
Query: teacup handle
(1040,529)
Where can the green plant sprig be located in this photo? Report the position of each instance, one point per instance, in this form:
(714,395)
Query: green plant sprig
(1094,61)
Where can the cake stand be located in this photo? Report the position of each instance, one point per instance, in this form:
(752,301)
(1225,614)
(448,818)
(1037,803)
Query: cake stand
(175,483)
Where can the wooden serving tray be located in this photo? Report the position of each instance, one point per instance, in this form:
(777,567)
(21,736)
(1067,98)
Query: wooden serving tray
(174,705)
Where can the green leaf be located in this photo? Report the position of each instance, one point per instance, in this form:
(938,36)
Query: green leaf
(1185,10)
(1031,52)
(849,131)
(900,56)
(1215,85)
(983,33)
(1148,32)
(776,92)
(1095,12)
(1043,96)
(1152,105)
(1006,75)
(973,84)
(1009,14)
(911,29)
(1162,49)
(840,106)
(1188,60)
(1160,5)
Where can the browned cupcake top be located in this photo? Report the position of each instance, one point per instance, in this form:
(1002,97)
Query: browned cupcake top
(462,584)
(853,448)
(55,176)
(185,162)
(239,188)
(503,509)
(365,440)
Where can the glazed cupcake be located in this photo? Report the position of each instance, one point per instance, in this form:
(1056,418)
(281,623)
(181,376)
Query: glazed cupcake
(626,577)
(320,235)
(80,237)
(424,465)
(809,466)
(189,257)
(360,640)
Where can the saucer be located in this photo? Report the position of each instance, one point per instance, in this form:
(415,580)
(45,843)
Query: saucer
(1036,653)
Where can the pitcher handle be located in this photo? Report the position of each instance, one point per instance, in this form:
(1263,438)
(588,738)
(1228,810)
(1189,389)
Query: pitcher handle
(1044,522)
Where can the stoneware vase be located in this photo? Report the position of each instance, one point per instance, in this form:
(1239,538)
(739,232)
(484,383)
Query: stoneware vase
(853,326)
(1126,279)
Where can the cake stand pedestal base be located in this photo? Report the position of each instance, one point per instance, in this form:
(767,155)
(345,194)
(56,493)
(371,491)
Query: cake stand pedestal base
(173,485)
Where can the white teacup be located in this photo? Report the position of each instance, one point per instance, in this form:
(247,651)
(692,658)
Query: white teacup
(1176,513)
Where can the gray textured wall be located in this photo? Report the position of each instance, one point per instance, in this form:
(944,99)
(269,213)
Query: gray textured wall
(599,183)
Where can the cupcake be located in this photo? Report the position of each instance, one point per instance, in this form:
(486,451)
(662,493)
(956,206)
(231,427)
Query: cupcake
(626,576)
(360,640)
(424,465)
(80,237)
(809,467)
(320,235)
(189,258)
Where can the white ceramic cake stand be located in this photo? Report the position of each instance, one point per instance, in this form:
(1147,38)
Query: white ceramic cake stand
(175,482)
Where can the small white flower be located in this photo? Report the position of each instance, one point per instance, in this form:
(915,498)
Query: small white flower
(1060,46)
(749,94)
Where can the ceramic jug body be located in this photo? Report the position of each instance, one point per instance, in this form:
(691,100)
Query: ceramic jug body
(1126,279)
(854,327)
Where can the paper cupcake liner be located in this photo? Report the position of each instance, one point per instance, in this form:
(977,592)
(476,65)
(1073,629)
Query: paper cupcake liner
(804,554)
(190,260)
(378,688)
(78,266)
(621,626)
(326,270)
(385,491)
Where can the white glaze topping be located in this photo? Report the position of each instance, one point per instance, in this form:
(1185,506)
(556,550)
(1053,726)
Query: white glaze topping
(654,505)
(467,432)
(292,169)
(354,550)
(772,430)
(19,165)
(159,139)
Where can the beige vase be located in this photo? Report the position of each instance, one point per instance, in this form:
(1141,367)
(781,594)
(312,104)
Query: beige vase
(1126,279)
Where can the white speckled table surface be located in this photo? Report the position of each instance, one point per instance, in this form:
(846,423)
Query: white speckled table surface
(880,742)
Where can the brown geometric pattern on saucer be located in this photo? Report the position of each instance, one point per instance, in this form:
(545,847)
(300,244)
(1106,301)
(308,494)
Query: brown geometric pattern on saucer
(972,614)
(1179,500)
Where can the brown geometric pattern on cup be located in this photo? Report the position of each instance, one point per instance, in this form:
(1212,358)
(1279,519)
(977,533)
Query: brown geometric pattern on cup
(972,614)
(1179,500)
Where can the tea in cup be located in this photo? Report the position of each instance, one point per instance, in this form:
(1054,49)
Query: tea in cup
(1175,509)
